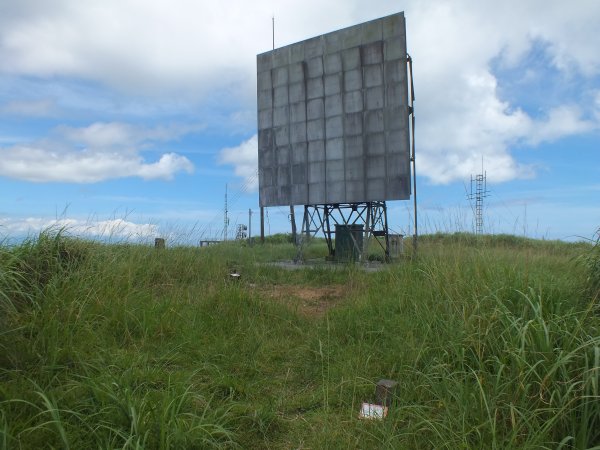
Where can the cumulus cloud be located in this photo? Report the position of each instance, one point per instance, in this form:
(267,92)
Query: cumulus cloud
(163,44)
(168,42)
(461,117)
(596,96)
(562,121)
(203,47)
(244,159)
(95,153)
(111,228)
(29,108)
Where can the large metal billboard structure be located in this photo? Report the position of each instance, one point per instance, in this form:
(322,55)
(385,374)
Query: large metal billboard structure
(333,127)
(333,117)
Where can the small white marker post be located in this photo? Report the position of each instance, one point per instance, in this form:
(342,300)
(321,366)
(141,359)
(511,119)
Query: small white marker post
(372,411)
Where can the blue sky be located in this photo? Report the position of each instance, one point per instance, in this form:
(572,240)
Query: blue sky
(127,119)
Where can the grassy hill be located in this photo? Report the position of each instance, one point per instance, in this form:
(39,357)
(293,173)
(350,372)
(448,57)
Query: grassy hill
(495,343)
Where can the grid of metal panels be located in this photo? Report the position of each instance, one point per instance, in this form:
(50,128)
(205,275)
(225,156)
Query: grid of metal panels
(333,117)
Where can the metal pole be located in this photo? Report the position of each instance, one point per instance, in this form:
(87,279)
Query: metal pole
(414,164)
(262,224)
(367,233)
(387,235)
(306,223)
(412,156)
(249,225)
(328,233)
(293,220)
(225,219)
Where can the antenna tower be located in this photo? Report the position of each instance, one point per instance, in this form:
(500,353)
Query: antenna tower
(478,193)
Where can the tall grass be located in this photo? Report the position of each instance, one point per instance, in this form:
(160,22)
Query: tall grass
(495,342)
(591,261)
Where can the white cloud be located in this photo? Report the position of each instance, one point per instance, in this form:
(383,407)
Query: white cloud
(98,152)
(244,158)
(460,116)
(103,135)
(596,96)
(562,121)
(30,108)
(112,228)
(161,44)
(198,47)
(165,167)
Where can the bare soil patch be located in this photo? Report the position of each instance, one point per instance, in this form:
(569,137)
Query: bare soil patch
(307,300)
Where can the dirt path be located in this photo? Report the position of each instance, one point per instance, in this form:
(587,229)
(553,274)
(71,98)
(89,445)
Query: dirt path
(309,301)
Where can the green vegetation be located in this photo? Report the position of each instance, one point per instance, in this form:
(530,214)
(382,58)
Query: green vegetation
(495,343)
(591,261)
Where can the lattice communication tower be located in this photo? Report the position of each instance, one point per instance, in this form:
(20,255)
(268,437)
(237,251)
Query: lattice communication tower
(478,193)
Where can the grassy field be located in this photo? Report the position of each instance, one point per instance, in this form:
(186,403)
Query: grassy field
(495,343)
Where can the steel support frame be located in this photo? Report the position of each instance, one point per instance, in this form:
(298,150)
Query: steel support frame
(324,217)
